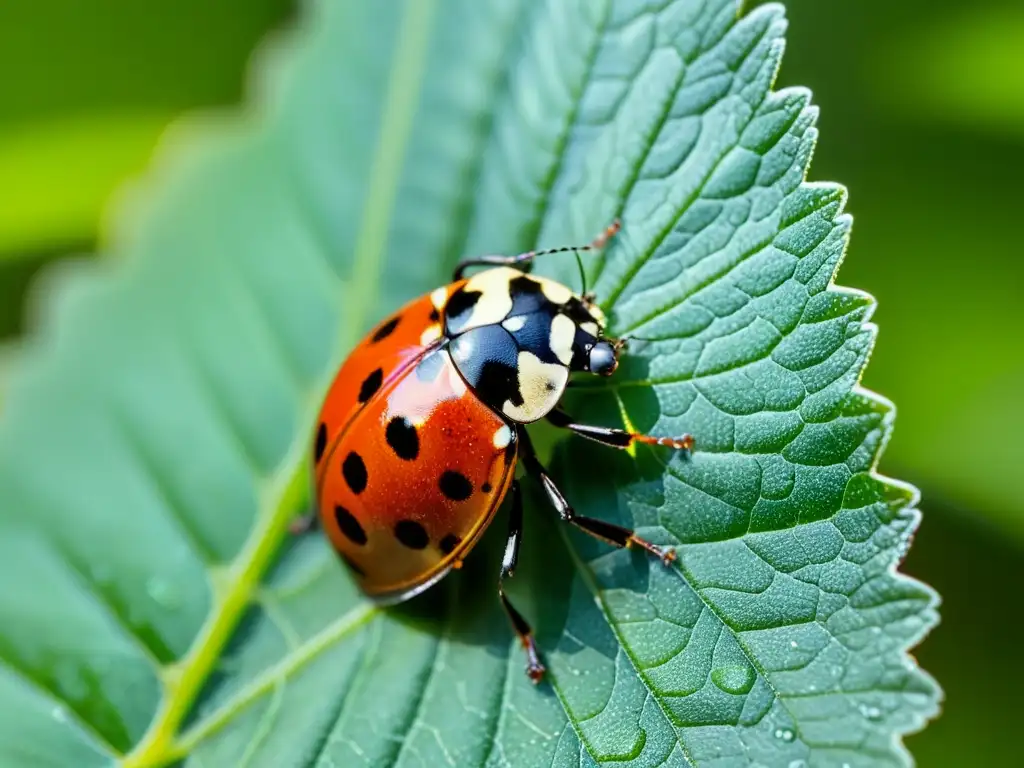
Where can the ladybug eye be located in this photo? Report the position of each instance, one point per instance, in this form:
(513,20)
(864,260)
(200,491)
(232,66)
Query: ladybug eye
(603,360)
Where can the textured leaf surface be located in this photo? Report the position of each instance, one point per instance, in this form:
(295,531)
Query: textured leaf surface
(152,447)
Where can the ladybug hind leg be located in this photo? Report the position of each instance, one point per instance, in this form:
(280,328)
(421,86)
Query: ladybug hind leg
(611,533)
(534,668)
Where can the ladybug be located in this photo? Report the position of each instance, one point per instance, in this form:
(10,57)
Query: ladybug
(419,434)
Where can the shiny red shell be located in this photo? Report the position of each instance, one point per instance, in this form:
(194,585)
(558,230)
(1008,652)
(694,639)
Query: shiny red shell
(410,467)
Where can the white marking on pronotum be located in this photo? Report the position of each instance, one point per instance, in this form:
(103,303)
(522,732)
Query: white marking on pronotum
(556,292)
(431,334)
(514,324)
(540,385)
(439,298)
(495,301)
(563,332)
(502,437)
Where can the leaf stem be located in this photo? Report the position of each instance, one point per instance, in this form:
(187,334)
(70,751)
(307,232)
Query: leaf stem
(184,680)
(272,677)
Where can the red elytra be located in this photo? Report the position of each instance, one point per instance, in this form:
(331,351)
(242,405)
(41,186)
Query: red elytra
(420,433)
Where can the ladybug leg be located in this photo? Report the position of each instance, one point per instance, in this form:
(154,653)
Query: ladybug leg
(611,533)
(534,668)
(303,524)
(617,438)
(524,261)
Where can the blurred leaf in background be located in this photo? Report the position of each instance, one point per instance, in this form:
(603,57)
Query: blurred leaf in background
(87,89)
(923,117)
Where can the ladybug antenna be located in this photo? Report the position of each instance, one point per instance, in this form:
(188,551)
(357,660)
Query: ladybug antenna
(583,272)
(596,244)
(524,260)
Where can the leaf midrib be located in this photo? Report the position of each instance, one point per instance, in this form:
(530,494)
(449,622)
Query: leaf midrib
(183,681)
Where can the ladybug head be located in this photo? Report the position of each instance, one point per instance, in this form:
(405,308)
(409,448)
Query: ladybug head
(603,359)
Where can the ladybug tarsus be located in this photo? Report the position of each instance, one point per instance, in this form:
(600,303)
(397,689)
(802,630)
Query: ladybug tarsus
(534,668)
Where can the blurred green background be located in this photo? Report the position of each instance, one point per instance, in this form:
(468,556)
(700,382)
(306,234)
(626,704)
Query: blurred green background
(923,120)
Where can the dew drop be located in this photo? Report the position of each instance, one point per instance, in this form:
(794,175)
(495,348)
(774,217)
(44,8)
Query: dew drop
(163,593)
(735,678)
(792,643)
(785,734)
(59,713)
(871,713)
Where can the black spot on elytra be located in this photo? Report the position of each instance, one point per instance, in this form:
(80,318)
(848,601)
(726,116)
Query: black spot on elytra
(434,315)
(370,385)
(354,471)
(386,330)
(401,436)
(449,543)
(455,485)
(321,442)
(350,526)
(411,534)
(486,487)
(459,309)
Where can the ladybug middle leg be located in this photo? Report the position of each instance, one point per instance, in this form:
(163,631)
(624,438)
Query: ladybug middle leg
(534,668)
(617,438)
(524,261)
(616,535)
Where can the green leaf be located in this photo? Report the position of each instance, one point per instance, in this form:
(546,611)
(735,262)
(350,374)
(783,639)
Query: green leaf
(152,449)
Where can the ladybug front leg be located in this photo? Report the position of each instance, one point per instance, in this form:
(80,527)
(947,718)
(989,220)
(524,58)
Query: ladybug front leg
(614,534)
(617,438)
(534,668)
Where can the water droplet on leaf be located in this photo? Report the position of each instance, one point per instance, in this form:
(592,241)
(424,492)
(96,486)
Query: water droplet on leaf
(871,713)
(785,734)
(735,678)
